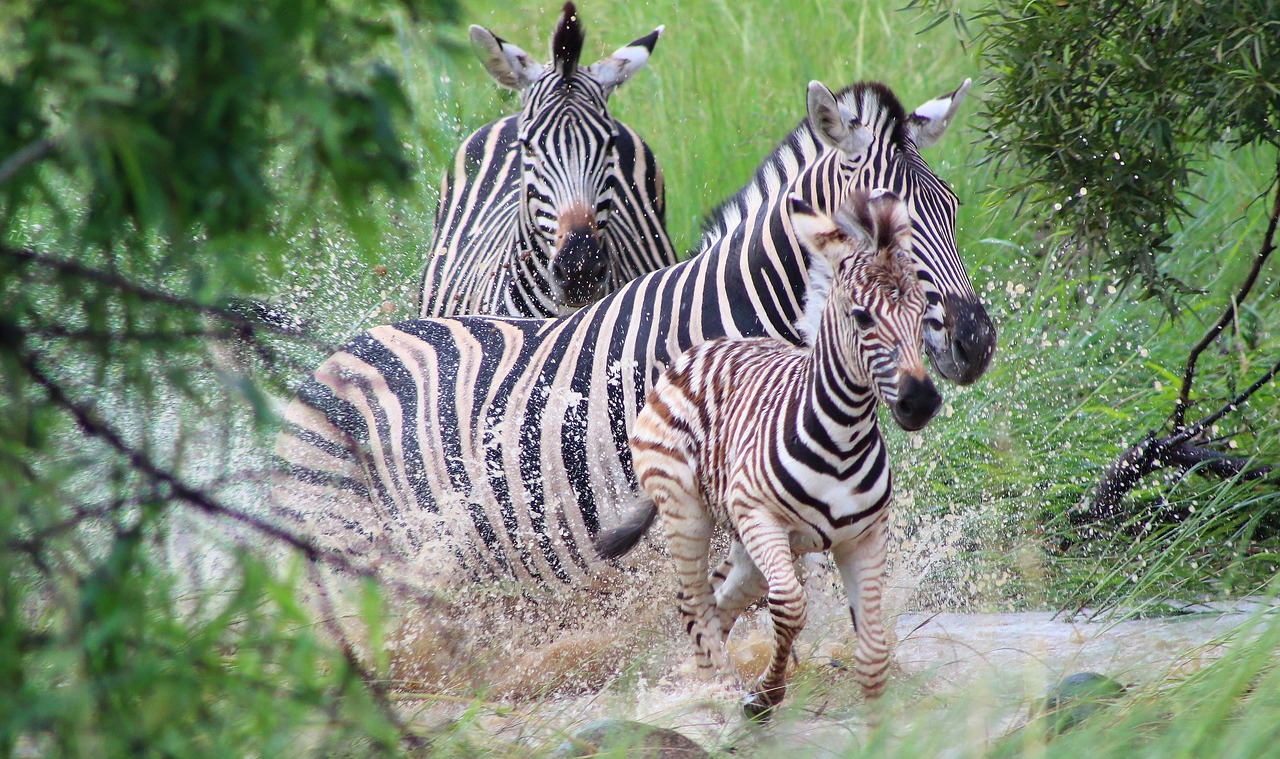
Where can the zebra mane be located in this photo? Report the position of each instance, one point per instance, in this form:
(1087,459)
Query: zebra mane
(567,41)
(878,227)
(815,297)
(859,97)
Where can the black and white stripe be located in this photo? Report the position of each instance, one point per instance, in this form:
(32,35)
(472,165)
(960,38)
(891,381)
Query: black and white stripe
(499,446)
(552,208)
(780,444)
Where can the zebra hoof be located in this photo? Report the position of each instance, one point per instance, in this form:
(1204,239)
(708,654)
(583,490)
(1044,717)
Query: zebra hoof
(757,707)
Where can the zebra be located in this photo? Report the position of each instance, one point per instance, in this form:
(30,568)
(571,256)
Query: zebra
(488,448)
(547,210)
(807,469)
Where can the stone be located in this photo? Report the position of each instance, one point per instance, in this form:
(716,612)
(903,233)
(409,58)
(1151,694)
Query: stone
(635,740)
(1075,698)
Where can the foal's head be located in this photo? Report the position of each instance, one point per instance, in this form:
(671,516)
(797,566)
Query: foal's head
(865,303)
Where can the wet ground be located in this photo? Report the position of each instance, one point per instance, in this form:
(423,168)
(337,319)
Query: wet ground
(1004,662)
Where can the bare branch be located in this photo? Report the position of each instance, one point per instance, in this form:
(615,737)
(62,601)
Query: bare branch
(330,619)
(1151,454)
(26,156)
(1194,430)
(140,462)
(125,285)
(1229,315)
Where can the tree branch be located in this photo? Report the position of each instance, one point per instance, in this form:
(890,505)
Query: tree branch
(125,285)
(1179,449)
(1151,454)
(1228,315)
(140,462)
(1192,431)
(27,155)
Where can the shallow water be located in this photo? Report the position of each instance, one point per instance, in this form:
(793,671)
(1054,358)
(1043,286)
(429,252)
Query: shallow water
(995,665)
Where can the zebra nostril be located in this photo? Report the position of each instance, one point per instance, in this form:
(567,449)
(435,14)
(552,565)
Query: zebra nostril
(960,354)
(600,268)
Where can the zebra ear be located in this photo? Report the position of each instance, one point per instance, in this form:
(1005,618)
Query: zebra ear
(615,69)
(930,121)
(831,124)
(508,64)
(815,231)
(821,237)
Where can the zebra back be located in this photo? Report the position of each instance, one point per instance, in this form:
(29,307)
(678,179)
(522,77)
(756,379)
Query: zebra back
(547,210)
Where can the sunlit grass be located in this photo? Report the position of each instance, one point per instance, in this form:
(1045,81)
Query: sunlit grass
(1082,370)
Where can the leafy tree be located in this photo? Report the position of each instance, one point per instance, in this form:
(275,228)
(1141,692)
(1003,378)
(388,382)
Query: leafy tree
(143,146)
(1103,110)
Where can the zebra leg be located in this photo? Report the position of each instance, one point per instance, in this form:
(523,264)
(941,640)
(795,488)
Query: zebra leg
(738,583)
(861,564)
(688,527)
(769,546)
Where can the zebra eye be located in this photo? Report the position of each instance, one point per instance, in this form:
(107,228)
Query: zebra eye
(862,317)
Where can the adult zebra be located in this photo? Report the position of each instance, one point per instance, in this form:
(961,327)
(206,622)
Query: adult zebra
(500,445)
(547,210)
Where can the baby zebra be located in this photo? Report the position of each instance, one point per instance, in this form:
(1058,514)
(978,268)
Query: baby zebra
(781,443)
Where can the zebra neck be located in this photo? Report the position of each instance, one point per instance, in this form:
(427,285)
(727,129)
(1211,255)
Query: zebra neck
(838,410)
(750,262)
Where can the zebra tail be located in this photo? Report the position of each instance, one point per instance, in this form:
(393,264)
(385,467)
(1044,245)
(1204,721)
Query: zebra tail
(617,542)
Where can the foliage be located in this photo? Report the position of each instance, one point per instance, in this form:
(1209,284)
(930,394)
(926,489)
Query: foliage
(124,334)
(1107,109)
(147,151)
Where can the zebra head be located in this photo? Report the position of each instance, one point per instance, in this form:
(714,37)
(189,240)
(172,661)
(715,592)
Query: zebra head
(879,145)
(566,153)
(866,305)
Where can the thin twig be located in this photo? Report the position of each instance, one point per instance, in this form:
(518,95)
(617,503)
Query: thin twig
(329,616)
(104,335)
(1192,430)
(27,155)
(1228,315)
(125,285)
(78,515)
(140,462)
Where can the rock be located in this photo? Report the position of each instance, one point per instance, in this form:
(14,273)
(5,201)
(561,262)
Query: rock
(1075,698)
(636,739)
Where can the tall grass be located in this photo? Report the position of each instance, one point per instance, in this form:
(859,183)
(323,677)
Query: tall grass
(986,491)
(1081,372)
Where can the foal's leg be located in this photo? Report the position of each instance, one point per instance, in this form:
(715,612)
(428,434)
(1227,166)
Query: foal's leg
(861,564)
(688,526)
(769,545)
(738,583)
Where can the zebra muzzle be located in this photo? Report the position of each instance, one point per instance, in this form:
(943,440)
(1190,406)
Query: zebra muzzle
(918,400)
(962,350)
(580,268)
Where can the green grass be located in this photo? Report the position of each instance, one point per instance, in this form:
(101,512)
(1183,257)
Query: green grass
(1081,371)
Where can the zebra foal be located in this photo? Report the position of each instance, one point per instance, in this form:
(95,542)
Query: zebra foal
(781,443)
(549,209)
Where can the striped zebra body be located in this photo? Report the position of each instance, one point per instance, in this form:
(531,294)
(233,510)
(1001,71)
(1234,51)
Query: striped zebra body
(781,445)
(549,209)
(501,444)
